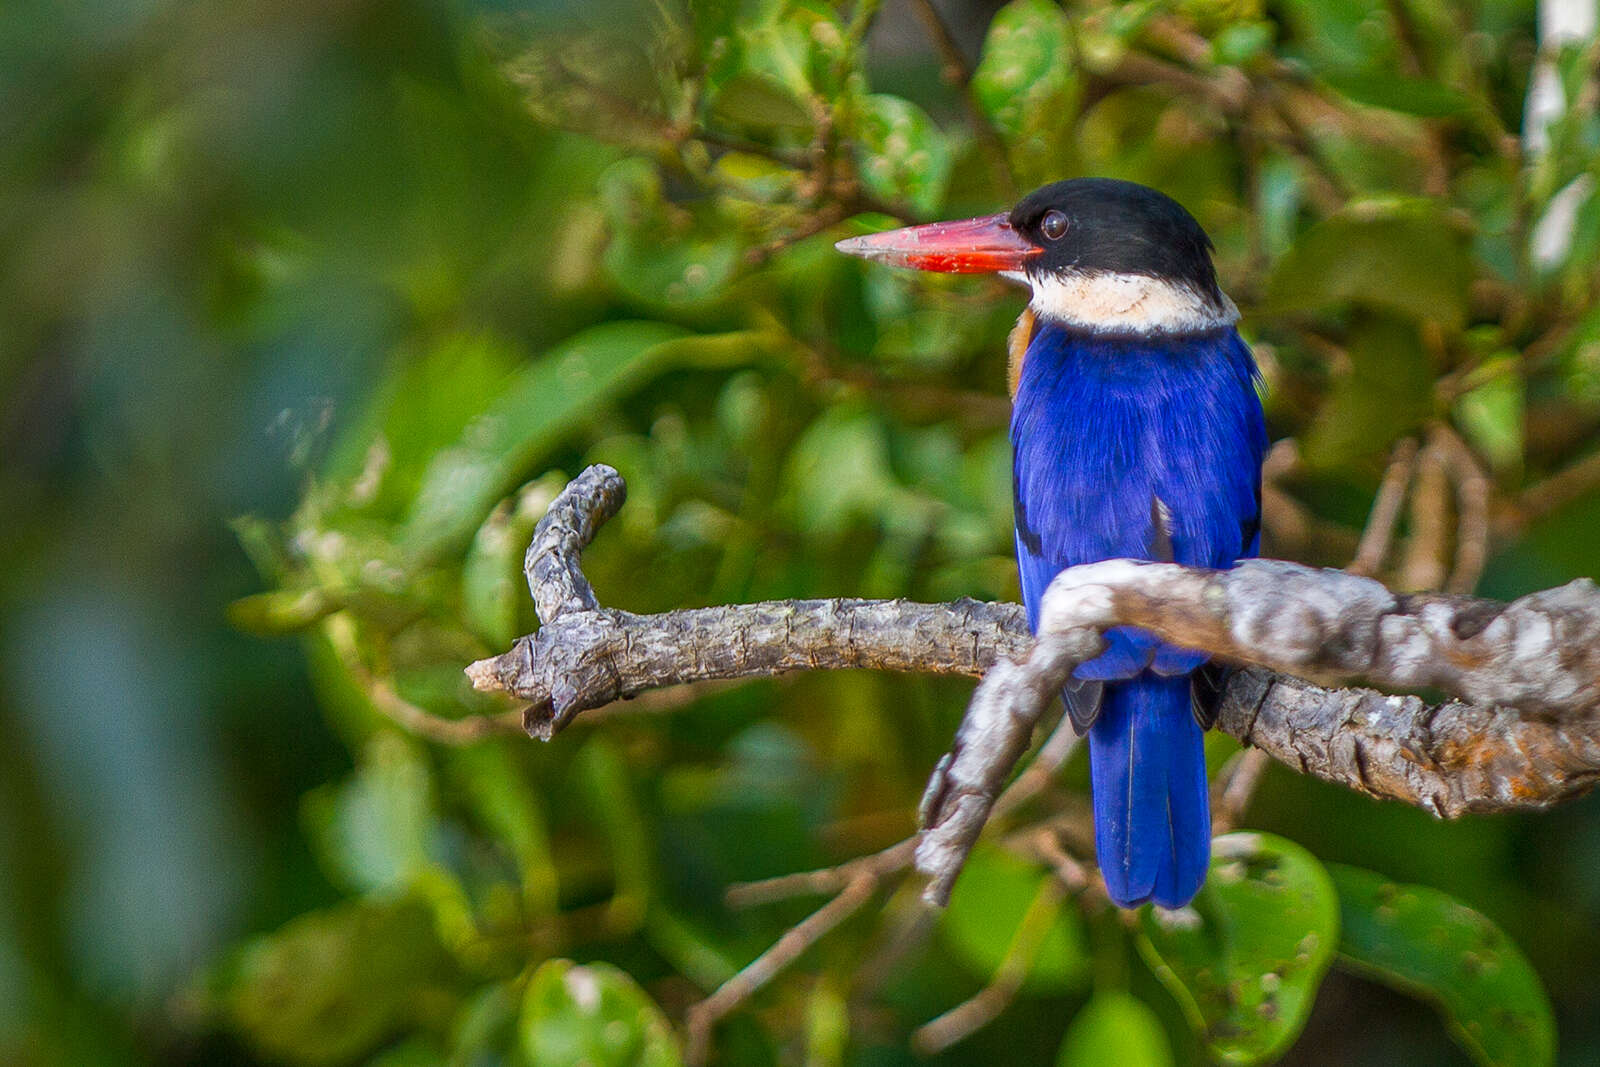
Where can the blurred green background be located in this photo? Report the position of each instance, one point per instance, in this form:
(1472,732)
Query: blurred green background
(304,303)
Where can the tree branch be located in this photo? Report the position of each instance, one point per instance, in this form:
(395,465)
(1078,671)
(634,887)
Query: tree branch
(1524,734)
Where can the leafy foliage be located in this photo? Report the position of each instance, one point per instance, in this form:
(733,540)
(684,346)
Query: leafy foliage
(1246,962)
(1115,1028)
(592,1015)
(1422,941)
(1003,892)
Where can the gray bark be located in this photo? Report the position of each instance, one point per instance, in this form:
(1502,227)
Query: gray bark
(1523,733)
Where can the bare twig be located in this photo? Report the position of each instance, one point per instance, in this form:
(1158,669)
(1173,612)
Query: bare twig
(1303,142)
(1234,788)
(895,858)
(1377,538)
(1560,489)
(1027,785)
(880,866)
(792,158)
(992,737)
(1226,88)
(1052,754)
(341,632)
(1413,57)
(1541,653)
(821,219)
(1045,844)
(552,564)
(908,929)
(981,1009)
(704,1015)
(875,869)
(586,659)
(1288,526)
(1473,489)
(1426,562)
(1283,460)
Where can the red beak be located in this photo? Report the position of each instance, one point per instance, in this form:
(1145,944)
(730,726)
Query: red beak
(971,246)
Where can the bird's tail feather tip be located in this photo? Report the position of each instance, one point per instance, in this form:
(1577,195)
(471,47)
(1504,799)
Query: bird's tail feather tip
(1152,812)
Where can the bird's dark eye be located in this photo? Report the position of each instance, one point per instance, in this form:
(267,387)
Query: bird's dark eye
(1053,225)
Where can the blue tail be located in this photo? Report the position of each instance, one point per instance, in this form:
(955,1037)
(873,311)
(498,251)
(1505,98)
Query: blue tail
(1152,816)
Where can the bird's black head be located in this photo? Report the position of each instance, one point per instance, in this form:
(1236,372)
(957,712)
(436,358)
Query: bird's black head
(1102,225)
(1098,253)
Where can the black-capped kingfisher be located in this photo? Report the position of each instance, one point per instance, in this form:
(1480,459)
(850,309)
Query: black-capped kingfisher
(1136,433)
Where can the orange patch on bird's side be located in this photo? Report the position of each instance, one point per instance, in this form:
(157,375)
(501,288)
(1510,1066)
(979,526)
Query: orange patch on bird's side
(1017,347)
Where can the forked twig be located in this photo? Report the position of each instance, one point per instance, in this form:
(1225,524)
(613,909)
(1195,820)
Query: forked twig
(703,1016)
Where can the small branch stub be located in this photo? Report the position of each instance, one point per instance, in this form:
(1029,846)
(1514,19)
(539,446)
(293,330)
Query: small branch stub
(574,517)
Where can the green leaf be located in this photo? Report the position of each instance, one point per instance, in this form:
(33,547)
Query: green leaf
(422,407)
(1578,360)
(780,49)
(901,155)
(330,985)
(1025,86)
(1386,392)
(593,1015)
(827,1025)
(717,40)
(1338,33)
(373,831)
(1492,411)
(413,1052)
(508,805)
(485,1025)
(1409,96)
(1430,945)
(761,184)
(756,100)
(1239,44)
(838,473)
(1403,256)
(1106,35)
(995,895)
(1115,1028)
(1282,191)
(691,272)
(493,589)
(282,611)
(1245,959)
(376,833)
(611,801)
(670,255)
(529,414)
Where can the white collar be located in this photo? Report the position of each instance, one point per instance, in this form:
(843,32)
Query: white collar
(1109,302)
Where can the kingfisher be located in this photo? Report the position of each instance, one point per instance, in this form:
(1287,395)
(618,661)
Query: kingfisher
(1137,433)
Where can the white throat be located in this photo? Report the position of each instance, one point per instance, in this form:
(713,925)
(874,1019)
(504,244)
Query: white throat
(1125,303)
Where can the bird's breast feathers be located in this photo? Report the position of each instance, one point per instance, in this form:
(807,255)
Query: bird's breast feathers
(1134,447)
(1131,445)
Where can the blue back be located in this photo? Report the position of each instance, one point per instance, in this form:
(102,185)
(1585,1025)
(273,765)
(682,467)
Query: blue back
(1104,425)
(1141,448)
